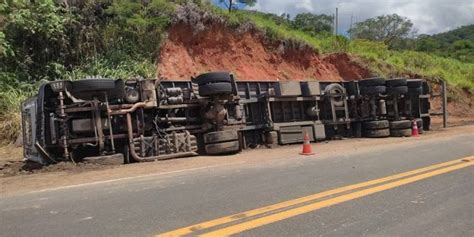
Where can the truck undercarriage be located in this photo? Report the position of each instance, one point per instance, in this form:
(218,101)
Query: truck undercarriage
(145,120)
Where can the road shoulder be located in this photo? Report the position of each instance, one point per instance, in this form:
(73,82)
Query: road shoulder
(65,179)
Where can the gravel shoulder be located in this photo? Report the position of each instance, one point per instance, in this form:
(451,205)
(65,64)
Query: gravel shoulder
(68,174)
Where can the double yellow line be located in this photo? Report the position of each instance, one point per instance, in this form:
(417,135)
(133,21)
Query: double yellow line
(371,187)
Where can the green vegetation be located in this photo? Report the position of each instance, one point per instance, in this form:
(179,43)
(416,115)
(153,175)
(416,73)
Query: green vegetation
(387,28)
(377,56)
(40,40)
(313,24)
(280,28)
(387,62)
(458,44)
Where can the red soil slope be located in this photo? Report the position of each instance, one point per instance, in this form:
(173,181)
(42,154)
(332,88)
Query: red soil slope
(249,56)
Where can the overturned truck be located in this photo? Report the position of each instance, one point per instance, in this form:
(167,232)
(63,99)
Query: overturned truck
(145,120)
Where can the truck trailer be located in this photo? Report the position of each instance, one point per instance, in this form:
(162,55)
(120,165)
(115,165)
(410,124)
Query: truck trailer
(141,119)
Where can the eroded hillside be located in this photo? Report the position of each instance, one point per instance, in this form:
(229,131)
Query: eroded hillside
(249,55)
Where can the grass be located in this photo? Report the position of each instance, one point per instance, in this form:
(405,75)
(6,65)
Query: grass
(123,69)
(377,56)
(10,119)
(379,59)
(391,63)
(323,43)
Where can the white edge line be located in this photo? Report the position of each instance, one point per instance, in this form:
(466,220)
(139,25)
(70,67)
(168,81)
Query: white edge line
(131,178)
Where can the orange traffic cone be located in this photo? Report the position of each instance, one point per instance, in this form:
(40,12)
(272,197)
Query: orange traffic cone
(414,129)
(307,149)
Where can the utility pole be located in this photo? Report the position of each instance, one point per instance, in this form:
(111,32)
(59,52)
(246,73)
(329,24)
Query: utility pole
(333,24)
(336,20)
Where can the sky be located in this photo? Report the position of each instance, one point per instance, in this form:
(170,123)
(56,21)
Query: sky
(428,16)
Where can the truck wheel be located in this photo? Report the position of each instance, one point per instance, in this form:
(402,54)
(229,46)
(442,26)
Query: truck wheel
(396,82)
(406,132)
(213,77)
(334,89)
(415,91)
(220,136)
(426,123)
(397,90)
(419,124)
(217,88)
(377,133)
(372,90)
(357,129)
(415,83)
(402,124)
(77,155)
(374,81)
(222,148)
(420,130)
(378,124)
(351,88)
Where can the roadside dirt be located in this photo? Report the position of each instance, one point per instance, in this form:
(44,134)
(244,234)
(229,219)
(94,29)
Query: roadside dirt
(68,174)
(460,109)
(249,56)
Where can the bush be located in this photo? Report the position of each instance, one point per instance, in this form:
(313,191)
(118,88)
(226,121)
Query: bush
(12,94)
(389,62)
(40,40)
(123,69)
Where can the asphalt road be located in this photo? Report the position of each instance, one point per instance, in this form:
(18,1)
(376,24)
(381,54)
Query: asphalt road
(435,201)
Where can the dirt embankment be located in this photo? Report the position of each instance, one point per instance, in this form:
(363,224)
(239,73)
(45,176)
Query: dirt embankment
(460,107)
(249,55)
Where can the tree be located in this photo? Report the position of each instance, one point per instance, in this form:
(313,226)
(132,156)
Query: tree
(233,4)
(312,23)
(386,28)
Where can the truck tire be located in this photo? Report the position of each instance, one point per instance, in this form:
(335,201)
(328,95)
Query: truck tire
(400,132)
(377,133)
(402,124)
(213,77)
(420,130)
(415,91)
(93,85)
(218,88)
(351,88)
(220,136)
(419,124)
(222,148)
(396,82)
(372,90)
(374,81)
(426,123)
(397,90)
(357,129)
(415,83)
(378,124)
(333,89)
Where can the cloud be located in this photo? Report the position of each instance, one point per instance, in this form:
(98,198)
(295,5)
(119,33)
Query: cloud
(428,16)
